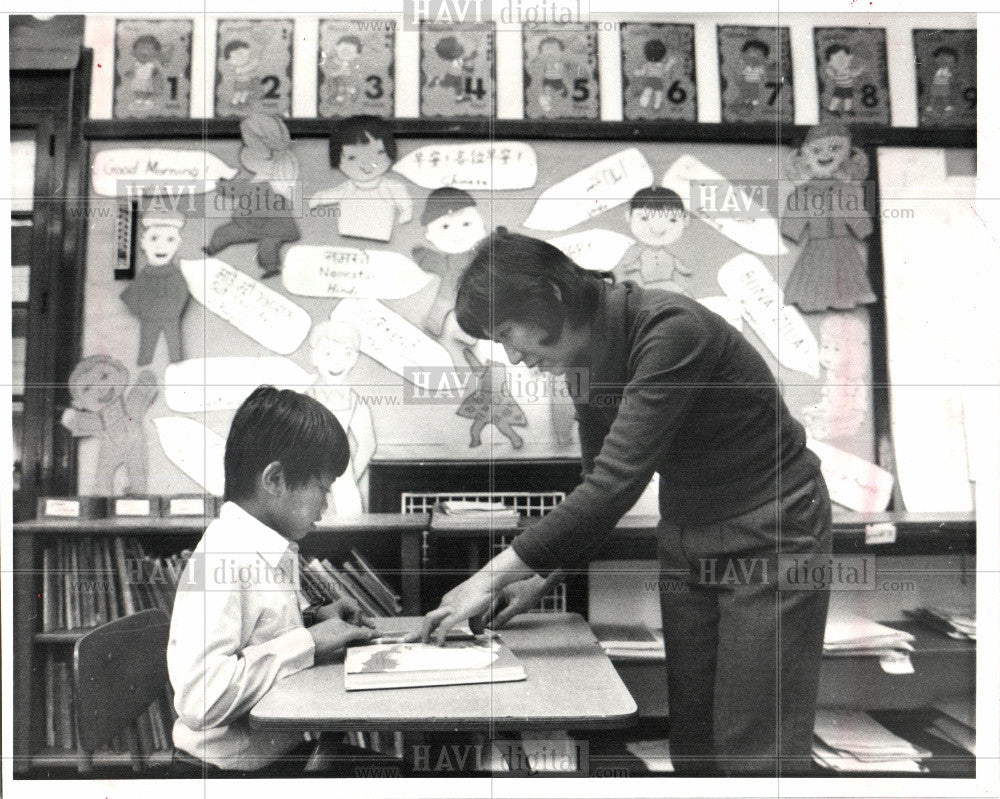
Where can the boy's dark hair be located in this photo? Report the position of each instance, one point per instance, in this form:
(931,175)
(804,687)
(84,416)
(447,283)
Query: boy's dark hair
(654,49)
(549,40)
(519,278)
(149,39)
(659,198)
(945,50)
(235,44)
(356,130)
(449,48)
(284,426)
(445,200)
(350,40)
(756,44)
(833,49)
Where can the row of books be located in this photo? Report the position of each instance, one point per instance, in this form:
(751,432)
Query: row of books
(322,582)
(153,727)
(852,741)
(960,624)
(91,580)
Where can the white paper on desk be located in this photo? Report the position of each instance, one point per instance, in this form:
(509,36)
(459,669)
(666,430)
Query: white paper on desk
(852,481)
(197,385)
(324,271)
(596,249)
(487,165)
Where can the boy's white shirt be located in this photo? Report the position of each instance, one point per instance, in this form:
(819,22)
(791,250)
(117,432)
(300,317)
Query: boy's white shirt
(233,636)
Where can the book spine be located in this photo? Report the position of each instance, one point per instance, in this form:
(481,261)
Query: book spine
(76,616)
(347,589)
(331,591)
(50,700)
(351,573)
(61,596)
(393,599)
(49,598)
(121,564)
(66,706)
(101,582)
(114,610)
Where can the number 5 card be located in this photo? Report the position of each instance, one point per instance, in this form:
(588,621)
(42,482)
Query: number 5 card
(755,73)
(658,71)
(253,67)
(356,67)
(560,72)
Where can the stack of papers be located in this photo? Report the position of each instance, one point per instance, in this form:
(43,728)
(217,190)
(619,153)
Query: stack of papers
(654,753)
(855,635)
(959,624)
(630,641)
(956,722)
(459,514)
(851,740)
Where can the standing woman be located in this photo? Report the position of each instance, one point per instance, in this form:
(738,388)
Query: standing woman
(673,389)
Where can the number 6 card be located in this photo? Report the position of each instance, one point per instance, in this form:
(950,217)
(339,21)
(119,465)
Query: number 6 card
(658,71)
(253,67)
(356,67)
(755,73)
(560,72)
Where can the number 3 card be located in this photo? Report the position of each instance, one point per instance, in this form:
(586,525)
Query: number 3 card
(658,71)
(356,68)
(152,68)
(456,70)
(852,74)
(755,73)
(560,72)
(253,67)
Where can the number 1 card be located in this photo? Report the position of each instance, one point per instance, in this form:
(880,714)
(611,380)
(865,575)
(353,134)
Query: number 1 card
(755,73)
(560,72)
(152,68)
(356,67)
(253,67)
(658,78)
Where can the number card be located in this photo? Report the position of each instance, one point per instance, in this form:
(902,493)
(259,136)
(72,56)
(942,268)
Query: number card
(152,68)
(946,77)
(456,70)
(560,72)
(658,71)
(755,74)
(253,67)
(852,74)
(356,67)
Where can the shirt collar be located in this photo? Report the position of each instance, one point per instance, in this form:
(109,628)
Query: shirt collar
(244,533)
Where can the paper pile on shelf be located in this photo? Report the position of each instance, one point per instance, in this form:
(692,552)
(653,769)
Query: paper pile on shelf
(629,641)
(476,514)
(854,635)
(654,753)
(851,740)
(956,722)
(959,624)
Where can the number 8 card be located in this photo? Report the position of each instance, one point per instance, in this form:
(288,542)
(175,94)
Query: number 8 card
(852,74)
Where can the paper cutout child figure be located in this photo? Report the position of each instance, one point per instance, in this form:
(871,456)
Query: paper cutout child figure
(657,218)
(550,63)
(845,355)
(147,74)
(452,51)
(264,205)
(239,61)
(753,73)
(159,294)
(454,227)
(369,203)
(942,90)
(843,71)
(652,77)
(343,69)
(828,215)
(335,347)
(487,403)
(103,409)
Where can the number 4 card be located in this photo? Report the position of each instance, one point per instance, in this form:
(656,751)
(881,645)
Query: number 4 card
(560,72)
(852,74)
(253,67)
(356,68)
(755,73)
(456,70)
(658,71)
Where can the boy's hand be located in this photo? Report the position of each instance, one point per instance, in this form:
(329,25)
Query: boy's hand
(332,635)
(345,609)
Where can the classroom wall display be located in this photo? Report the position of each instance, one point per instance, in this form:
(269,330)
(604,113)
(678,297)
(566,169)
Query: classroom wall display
(946,77)
(253,67)
(658,73)
(457,70)
(356,67)
(755,73)
(852,71)
(152,68)
(560,72)
(430,394)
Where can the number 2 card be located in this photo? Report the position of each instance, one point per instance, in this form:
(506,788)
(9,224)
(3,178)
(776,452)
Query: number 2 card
(253,67)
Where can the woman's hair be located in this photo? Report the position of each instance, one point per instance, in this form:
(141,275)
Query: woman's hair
(523,279)
(356,130)
(285,426)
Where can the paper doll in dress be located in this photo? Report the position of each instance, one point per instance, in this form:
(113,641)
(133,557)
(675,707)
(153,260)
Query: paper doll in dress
(159,293)
(653,77)
(147,74)
(941,95)
(238,59)
(844,354)
(334,351)
(343,69)
(453,228)
(842,70)
(552,67)
(369,204)
(488,403)
(457,65)
(829,217)
(266,202)
(105,408)
(657,218)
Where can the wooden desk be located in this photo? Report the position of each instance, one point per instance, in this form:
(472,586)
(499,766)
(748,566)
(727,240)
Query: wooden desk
(571,685)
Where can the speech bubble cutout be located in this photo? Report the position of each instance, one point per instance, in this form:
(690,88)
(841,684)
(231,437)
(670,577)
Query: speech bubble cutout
(320,271)
(496,166)
(391,340)
(734,211)
(157,171)
(852,481)
(218,384)
(746,281)
(263,314)
(195,450)
(591,191)
(597,249)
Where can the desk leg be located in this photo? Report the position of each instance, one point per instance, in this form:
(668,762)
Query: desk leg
(411,565)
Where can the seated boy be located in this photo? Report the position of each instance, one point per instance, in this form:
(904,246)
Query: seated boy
(237,625)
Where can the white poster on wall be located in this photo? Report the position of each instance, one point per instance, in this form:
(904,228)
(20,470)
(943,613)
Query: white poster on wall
(494,166)
(324,271)
(122,172)
(194,449)
(218,384)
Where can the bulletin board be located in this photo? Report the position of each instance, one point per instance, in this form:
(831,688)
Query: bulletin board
(187,414)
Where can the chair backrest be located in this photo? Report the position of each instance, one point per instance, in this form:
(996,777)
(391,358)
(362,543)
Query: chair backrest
(120,668)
